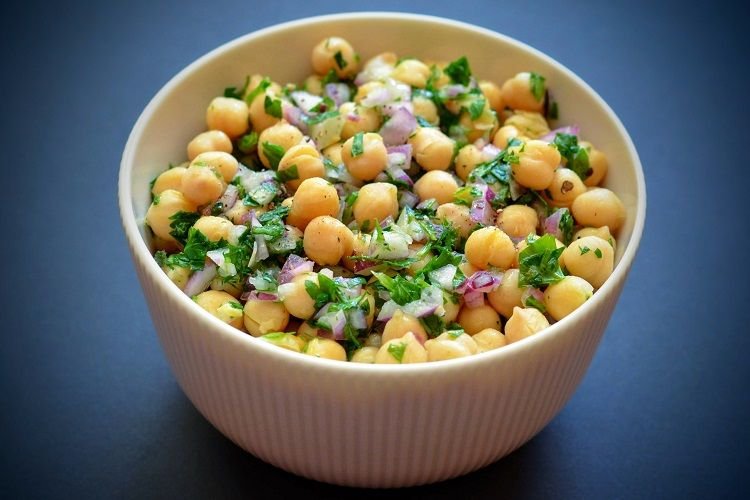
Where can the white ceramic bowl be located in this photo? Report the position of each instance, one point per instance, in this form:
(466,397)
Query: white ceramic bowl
(369,425)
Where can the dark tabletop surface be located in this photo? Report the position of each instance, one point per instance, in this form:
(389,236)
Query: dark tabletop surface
(89,406)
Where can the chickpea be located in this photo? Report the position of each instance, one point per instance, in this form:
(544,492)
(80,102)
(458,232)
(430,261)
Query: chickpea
(567,295)
(508,295)
(413,72)
(169,179)
(590,258)
(223,163)
(517,93)
(458,215)
(489,339)
(425,259)
(426,109)
(228,115)
(482,127)
(439,349)
(233,289)
(566,186)
(259,118)
(464,339)
(475,319)
(305,160)
(376,202)
(238,212)
(335,54)
(467,158)
(314,84)
(214,228)
(441,79)
(598,164)
(365,354)
(518,221)
(381,65)
(601,232)
(364,90)
(281,134)
(358,119)
(494,95)
(325,348)
(177,275)
(524,323)
(436,184)
(314,197)
(528,124)
(371,160)
(255,81)
(504,134)
(333,153)
(212,140)
(287,341)
(327,240)
(451,307)
(433,150)
(407,348)
(537,161)
(306,331)
(264,316)
(370,307)
(167,204)
(490,246)
(202,184)
(295,297)
(374,340)
(468,268)
(599,207)
(222,305)
(400,324)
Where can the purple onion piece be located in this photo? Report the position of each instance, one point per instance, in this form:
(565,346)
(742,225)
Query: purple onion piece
(200,280)
(259,295)
(571,129)
(295,116)
(408,199)
(391,108)
(489,152)
(398,129)
(452,91)
(358,319)
(552,224)
(294,266)
(473,299)
(338,92)
(481,212)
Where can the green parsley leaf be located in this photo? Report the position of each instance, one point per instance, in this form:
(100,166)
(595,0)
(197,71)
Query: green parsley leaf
(248,142)
(466,195)
(576,157)
(397,350)
(537,85)
(476,108)
(314,120)
(536,304)
(236,93)
(277,213)
(272,106)
(433,325)
(566,226)
(459,71)
(553,112)
(402,290)
(288,174)
(330,77)
(262,86)
(181,223)
(358,144)
(455,333)
(598,253)
(273,152)
(340,61)
(539,262)
(584,250)
(193,256)
(155,199)
(423,122)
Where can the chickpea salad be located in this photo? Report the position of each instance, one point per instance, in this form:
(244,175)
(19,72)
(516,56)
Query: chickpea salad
(394,210)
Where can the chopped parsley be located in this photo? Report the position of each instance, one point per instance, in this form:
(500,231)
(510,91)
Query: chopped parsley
(340,61)
(314,120)
(262,86)
(193,256)
(402,290)
(397,350)
(288,174)
(553,111)
(273,152)
(181,223)
(476,108)
(248,142)
(538,88)
(584,250)
(358,146)
(272,106)
(532,301)
(566,226)
(598,253)
(539,262)
(330,77)
(459,71)
(466,195)
(576,157)
(236,93)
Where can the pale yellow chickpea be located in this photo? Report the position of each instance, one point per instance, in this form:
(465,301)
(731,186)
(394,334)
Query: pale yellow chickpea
(286,341)
(255,81)
(567,295)
(475,319)
(358,119)
(169,179)
(212,140)
(601,232)
(327,240)
(590,258)
(529,124)
(302,161)
(314,84)
(359,247)
(259,118)
(222,305)
(402,323)
(333,153)
(407,348)
(233,289)
(264,316)
(490,246)
(365,354)
(508,295)
(517,93)
(325,348)
(366,89)
(458,215)
(439,349)
(417,265)
(281,134)
(467,158)
(314,197)
(437,184)
(370,160)
(524,322)
(370,306)
(504,134)
(451,308)
(518,221)
(177,275)
(426,109)
(537,161)
(566,186)
(228,115)
(464,339)
(202,184)
(598,207)
(335,53)
(598,164)
(412,71)
(214,228)
(494,95)
(168,203)
(482,127)
(306,331)
(223,163)
(376,201)
(238,212)
(295,297)
(489,339)
(432,149)
(441,79)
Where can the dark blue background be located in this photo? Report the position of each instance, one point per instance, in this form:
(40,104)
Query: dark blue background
(89,407)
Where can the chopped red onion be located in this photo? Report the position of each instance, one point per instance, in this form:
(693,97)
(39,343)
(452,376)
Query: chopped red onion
(294,116)
(259,295)
(361,265)
(400,156)
(398,129)
(453,91)
(357,319)
(490,152)
(408,199)
(305,100)
(398,174)
(532,292)
(571,129)
(293,266)
(391,92)
(551,224)
(338,92)
(481,212)
(474,288)
(229,197)
(200,279)
(336,321)
(444,276)
(391,108)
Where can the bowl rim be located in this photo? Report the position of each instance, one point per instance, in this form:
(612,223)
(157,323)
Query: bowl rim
(228,333)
